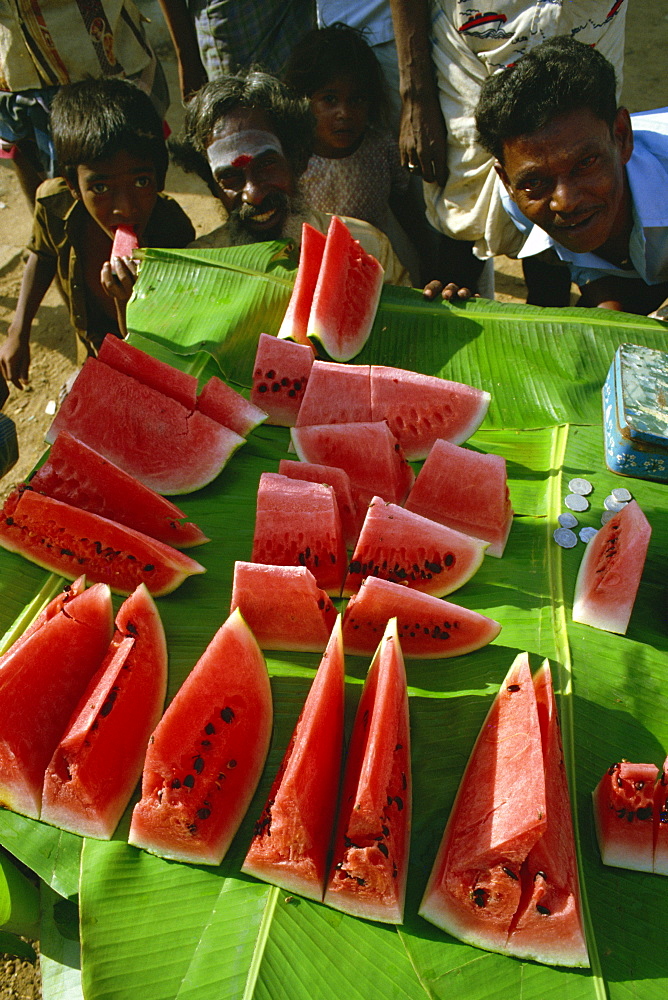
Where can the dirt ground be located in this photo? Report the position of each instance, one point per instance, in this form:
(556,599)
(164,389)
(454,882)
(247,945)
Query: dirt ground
(53,343)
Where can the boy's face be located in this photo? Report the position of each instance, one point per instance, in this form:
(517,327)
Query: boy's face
(119,191)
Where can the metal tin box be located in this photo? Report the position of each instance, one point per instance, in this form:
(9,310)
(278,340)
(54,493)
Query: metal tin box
(635,413)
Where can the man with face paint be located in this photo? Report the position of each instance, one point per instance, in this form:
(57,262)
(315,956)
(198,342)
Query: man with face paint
(250,140)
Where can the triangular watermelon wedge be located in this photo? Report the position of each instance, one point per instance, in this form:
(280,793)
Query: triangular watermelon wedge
(125,241)
(295,321)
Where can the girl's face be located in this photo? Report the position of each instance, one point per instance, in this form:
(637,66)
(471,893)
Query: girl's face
(341,110)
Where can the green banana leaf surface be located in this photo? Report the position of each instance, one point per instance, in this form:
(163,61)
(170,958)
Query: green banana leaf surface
(162,930)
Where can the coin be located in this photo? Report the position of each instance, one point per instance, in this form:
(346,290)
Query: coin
(580,486)
(606,515)
(621,493)
(567,520)
(610,503)
(576,502)
(566,538)
(586,534)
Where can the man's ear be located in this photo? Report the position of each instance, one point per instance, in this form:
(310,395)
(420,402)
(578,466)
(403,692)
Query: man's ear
(622,132)
(501,173)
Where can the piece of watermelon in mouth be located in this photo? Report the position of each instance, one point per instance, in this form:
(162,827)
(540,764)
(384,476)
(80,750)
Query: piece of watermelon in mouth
(125,241)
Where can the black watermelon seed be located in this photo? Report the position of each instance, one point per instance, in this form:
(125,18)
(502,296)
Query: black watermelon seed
(384,850)
(148,568)
(513,687)
(449,559)
(9,521)
(199,764)
(399,801)
(510,873)
(131,628)
(644,813)
(285,381)
(227,714)
(276,387)
(262,388)
(360,881)
(386,831)
(203,813)
(292,394)
(231,763)
(297,385)
(271,374)
(176,783)
(189,781)
(543,909)
(209,729)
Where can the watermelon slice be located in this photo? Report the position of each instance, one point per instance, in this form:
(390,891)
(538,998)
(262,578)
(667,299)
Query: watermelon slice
(624,814)
(280,374)
(79,476)
(295,321)
(422,408)
(99,759)
(429,628)
(610,571)
(205,758)
(661,822)
(152,436)
(397,545)
(125,242)
(290,845)
(67,540)
(465,490)
(346,296)
(50,611)
(339,481)
(283,606)
(129,360)
(228,407)
(298,524)
(372,840)
(41,682)
(336,394)
(368,452)
(487,886)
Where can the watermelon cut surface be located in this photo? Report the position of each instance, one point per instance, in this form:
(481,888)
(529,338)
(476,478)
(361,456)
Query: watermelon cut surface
(125,242)
(228,407)
(346,296)
(154,438)
(79,476)
(610,571)
(465,490)
(295,321)
(41,681)
(339,480)
(291,841)
(99,759)
(336,394)
(129,360)
(283,606)
(487,886)
(67,540)
(625,815)
(661,822)
(429,627)
(398,545)
(205,758)
(280,373)
(50,611)
(372,839)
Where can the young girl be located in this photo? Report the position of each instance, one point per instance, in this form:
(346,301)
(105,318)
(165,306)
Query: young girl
(355,169)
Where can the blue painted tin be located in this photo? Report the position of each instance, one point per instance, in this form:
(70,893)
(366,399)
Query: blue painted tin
(635,413)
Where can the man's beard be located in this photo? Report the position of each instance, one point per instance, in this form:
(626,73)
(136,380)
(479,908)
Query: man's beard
(295,213)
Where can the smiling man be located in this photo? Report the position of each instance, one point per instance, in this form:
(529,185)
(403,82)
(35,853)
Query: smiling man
(580,180)
(250,139)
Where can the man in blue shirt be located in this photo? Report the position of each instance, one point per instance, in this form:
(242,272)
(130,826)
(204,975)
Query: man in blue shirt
(579,179)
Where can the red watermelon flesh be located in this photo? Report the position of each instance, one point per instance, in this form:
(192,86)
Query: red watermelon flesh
(397,545)
(153,437)
(291,840)
(283,606)
(624,815)
(429,627)
(41,681)
(125,242)
(50,611)
(79,476)
(99,759)
(280,374)
(549,919)
(205,758)
(346,296)
(368,452)
(227,406)
(340,483)
(372,839)
(158,375)
(661,822)
(67,540)
(610,571)
(336,394)
(475,885)
(422,408)
(465,490)
(295,321)
(297,524)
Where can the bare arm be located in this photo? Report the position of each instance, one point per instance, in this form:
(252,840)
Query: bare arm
(192,74)
(423,135)
(15,351)
(626,295)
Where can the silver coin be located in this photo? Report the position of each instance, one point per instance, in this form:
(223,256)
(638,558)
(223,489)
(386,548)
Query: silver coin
(621,493)
(576,502)
(606,515)
(586,534)
(610,503)
(580,486)
(568,520)
(566,538)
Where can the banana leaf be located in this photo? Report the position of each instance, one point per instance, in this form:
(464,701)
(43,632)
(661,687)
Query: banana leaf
(163,930)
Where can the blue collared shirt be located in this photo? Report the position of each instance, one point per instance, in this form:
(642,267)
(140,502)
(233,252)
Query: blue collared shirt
(647,172)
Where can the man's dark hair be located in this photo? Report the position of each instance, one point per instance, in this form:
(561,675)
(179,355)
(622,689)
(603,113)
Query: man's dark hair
(324,54)
(289,117)
(557,77)
(95,119)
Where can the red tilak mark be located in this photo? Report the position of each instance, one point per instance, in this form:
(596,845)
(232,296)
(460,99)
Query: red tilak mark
(242,161)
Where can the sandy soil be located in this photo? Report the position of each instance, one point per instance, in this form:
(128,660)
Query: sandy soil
(53,343)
